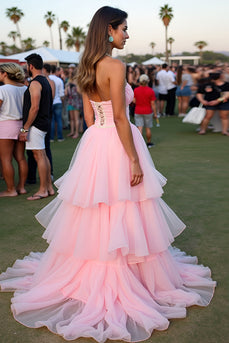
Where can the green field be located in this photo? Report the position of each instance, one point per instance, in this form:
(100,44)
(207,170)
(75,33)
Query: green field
(197,169)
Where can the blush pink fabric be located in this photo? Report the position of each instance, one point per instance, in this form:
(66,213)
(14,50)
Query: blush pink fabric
(10,129)
(110,271)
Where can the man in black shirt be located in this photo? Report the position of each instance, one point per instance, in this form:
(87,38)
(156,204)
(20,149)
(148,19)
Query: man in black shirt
(36,122)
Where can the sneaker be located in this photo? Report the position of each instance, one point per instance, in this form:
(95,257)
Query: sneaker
(150,145)
(60,140)
(51,140)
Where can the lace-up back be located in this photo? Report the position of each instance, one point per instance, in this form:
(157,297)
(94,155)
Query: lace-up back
(104,111)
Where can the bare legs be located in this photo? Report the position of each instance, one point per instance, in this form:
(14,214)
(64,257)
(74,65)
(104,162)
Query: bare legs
(183,104)
(71,119)
(22,166)
(224,119)
(44,171)
(8,149)
(207,118)
(161,106)
(74,123)
(76,115)
(148,133)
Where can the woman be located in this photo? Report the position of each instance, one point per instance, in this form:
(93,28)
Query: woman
(183,91)
(107,273)
(74,105)
(214,95)
(11,102)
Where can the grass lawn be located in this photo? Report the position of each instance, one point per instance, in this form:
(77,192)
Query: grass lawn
(197,169)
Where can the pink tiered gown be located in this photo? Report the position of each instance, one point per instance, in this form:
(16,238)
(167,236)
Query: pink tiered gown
(109,271)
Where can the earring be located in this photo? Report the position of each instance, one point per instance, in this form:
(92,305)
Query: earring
(111,39)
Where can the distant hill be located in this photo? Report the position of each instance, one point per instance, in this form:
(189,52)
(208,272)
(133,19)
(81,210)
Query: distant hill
(226,53)
(209,57)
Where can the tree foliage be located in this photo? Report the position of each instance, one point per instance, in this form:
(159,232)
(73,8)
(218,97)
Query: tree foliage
(76,38)
(64,25)
(15,14)
(166,15)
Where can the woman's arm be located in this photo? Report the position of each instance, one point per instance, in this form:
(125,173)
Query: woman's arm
(183,84)
(35,95)
(154,108)
(200,97)
(66,88)
(117,92)
(88,111)
(53,87)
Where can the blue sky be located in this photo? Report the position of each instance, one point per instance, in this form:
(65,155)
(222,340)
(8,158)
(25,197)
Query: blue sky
(193,20)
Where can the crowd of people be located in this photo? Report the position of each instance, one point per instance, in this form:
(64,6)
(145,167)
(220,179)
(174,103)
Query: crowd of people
(188,86)
(32,104)
(157,90)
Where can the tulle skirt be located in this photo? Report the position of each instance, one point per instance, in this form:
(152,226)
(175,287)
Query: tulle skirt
(110,271)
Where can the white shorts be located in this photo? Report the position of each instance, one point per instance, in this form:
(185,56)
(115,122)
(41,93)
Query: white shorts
(36,139)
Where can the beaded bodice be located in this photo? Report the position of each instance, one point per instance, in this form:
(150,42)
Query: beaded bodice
(104,112)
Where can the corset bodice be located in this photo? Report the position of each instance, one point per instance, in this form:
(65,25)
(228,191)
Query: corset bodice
(104,112)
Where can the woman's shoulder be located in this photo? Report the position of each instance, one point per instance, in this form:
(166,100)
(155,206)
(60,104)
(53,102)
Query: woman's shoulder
(11,88)
(111,62)
(111,68)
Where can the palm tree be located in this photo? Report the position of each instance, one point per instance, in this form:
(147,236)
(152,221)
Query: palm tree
(69,41)
(152,45)
(46,43)
(65,26)
(15,15)
(13,49)
(3,46)
(166,14)
(28,44)
(13,35)
(77,38)
(50,17)
(200,45)
(171,41)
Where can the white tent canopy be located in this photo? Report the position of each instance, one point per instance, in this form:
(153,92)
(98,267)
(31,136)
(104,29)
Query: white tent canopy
(153,60)
(50,55)
(132,64)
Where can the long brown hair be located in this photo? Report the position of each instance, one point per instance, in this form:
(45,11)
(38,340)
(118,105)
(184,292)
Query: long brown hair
(97,45)
(179,75)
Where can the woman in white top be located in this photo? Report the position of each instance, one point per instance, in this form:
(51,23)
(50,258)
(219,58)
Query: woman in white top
(11,104)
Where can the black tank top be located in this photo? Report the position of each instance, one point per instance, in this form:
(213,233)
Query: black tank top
(43,118)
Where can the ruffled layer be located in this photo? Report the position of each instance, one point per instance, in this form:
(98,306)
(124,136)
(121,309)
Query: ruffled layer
(101,172)
(105,300)
(109,271)
(101,233)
